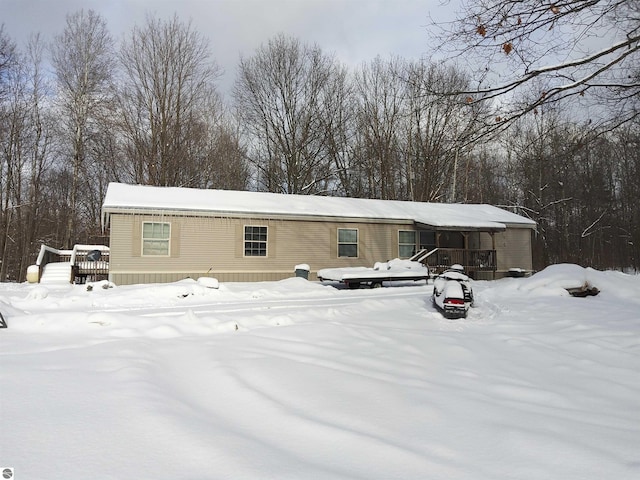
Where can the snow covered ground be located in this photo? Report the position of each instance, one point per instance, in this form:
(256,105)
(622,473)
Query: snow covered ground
(299,380)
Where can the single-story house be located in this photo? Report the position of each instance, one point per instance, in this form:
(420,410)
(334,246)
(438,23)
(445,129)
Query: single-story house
(164,234)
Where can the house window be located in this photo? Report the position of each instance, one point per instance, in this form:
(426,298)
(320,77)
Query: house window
(255,241)
(347,242)
(155,239)
(406,243)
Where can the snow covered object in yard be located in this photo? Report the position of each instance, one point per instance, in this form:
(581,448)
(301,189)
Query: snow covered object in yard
(566,278)
(393,270)
(208,282)
(452,293)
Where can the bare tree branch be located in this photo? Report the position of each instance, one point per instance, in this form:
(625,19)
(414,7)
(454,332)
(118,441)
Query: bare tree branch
(518,39)
(585,232)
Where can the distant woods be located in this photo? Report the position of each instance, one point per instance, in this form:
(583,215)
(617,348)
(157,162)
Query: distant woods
(80,110)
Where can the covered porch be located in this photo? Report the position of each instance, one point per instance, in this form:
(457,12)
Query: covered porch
(439,248)
(473,261)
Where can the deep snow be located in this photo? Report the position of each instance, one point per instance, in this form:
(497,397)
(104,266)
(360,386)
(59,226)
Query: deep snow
(300,380)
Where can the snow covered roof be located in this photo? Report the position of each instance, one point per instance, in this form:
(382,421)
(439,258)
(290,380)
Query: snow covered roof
(122,197)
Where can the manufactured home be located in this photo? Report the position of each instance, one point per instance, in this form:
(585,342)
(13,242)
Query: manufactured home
(164,234)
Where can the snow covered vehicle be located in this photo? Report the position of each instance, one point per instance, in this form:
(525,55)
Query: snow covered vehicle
(452,293)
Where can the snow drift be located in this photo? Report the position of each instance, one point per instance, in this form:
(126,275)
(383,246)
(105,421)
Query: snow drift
(295,379)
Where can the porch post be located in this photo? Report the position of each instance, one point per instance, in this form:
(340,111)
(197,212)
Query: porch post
(493,247)
(465,253)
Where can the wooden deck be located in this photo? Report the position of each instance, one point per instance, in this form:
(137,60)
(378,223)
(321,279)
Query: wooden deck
(439,259)
(88,262)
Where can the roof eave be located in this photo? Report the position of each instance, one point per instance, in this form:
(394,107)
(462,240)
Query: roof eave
(463,228)
(108,210)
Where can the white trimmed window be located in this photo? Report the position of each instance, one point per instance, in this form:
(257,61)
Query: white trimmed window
(406,243)
(255,241)
(347,242)
(155,239)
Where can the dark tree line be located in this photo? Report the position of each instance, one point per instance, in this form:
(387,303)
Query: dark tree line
(147,111)
(581,188)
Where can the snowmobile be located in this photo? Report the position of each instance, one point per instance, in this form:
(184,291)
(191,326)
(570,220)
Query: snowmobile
(452,293)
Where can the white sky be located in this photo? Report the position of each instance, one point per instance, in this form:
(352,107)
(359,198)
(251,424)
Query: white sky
(354,30)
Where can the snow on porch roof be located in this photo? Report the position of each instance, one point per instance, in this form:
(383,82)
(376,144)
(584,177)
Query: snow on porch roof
(122,197)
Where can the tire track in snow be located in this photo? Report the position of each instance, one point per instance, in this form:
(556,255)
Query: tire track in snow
(249,305)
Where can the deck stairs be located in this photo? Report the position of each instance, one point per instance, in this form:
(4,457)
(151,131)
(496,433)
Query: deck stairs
(82,263)
(56,273)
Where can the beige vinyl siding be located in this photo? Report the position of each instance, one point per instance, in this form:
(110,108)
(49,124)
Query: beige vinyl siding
(474,242)
(168,277)
(485,241)
(212,246)
(513,250)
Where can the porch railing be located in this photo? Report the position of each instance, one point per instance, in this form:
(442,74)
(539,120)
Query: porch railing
(440,259)
(81,258)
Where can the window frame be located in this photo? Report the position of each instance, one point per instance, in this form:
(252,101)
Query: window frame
(166,240)
(404,244)
(341,243)
(254,241)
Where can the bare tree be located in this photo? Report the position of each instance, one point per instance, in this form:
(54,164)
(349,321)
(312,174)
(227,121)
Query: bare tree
(486,177)
(280,94)
(380,116)
(557,45)
(25,138)
(39,139)
(82,56)
(440,130)
(167,99)
(337,114)
(412,144)
(12,116)
(539,166)
(7,59)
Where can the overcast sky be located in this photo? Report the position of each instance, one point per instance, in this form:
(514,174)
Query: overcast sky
(354,30)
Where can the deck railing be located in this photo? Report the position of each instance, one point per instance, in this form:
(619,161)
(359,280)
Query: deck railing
(82,259)
(440,259)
